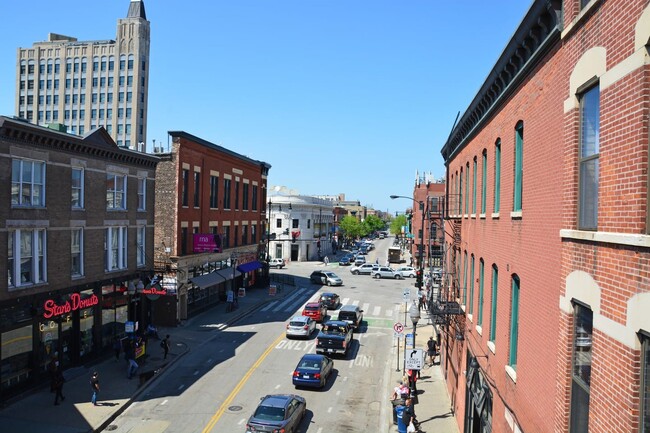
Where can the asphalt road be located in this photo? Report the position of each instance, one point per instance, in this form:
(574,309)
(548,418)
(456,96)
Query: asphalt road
(217,386)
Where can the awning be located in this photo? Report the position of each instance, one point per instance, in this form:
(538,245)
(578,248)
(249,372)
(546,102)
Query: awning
(250,266)
(214,278)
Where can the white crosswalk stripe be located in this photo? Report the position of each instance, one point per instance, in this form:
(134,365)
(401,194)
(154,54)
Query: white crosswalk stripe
(375,311)
(296,301)
(281,302)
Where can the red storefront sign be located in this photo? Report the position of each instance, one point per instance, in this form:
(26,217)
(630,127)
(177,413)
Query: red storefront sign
(154,291)
(52,309)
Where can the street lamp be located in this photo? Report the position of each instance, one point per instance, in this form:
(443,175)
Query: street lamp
(414,313)
(418,283)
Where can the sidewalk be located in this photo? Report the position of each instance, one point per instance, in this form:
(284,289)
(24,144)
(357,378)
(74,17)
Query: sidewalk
(35,412)
(433,410)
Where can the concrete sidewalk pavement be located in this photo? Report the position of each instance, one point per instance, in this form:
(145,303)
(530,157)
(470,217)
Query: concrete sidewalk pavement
(35,412)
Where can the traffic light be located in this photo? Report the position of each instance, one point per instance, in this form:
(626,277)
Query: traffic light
(418,279)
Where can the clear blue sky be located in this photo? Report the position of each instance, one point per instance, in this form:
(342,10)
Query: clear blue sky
(339,96)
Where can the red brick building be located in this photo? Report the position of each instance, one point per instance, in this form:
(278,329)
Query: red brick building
(210,221)
(548,249)
(428,195)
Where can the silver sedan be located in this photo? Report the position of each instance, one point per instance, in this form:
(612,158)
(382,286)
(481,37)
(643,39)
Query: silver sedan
(300,326)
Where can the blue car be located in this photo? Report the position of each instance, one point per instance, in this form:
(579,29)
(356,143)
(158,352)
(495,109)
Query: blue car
(312,371)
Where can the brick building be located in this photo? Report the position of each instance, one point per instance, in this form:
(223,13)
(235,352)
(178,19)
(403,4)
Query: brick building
(429,195)
(548,246)
(210,221)
(76,218)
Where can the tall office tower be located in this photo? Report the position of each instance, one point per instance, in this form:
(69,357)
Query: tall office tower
(87,84)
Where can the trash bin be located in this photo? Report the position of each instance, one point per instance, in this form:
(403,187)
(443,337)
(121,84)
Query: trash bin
(399,412)
(396,402)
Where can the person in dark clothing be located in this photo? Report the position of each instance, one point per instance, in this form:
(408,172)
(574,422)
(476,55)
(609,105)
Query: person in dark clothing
(409,415)
(432,350)
(117,347)
(58,386)
(165,345)
(94,384)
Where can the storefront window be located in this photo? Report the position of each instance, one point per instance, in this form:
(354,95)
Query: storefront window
(115,305)
(17,360)
(86,322)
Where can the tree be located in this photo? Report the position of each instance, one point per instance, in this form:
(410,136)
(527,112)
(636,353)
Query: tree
(374,223)
(397,223)
(351,227)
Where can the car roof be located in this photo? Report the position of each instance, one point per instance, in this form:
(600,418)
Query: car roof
(312,357)
(276,400)
(349,308)
(300,319)
(328,294)
(312,304)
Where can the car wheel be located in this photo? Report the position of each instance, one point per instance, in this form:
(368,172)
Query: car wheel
(376,276)
(356,272)
(329,283)
(398,277)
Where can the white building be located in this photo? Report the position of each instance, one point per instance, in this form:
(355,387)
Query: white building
(301,227)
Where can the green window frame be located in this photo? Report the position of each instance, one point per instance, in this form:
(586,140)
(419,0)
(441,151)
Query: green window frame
(514,323)
(474,173)
(471,286)
(497,176)
(465,278)
(493,309)
(467,189)
(481,271)
(519,167)
(460,192)
(483,181)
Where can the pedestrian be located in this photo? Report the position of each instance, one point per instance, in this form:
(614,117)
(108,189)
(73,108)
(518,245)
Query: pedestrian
(94,384)
(327,261)
(164,343)
(431,350)
(400,392)
(52,368)
(132,368)
(422,297)
(376,261)
(413,378)
(408,417)
(117,347)
(58,387)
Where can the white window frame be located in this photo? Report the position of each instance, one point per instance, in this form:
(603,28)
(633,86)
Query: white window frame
(79,189)
(116,256)
(77,250)
(141,240)
(27,238)
(19,182)
(142,193)
(115,196)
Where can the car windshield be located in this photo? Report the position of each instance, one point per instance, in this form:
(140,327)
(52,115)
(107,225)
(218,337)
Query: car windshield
(310,364)
(297,323)
(312,307)
(269,413)
(331,274)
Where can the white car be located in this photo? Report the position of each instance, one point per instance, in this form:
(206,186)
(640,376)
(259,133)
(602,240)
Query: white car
(406,271)
(359,260)
(300,326)
(276,263)
(365,268)
(385,272)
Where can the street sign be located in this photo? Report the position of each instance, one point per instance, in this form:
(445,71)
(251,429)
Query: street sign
(398,328)
(414,359)
(409,339)
(407,294)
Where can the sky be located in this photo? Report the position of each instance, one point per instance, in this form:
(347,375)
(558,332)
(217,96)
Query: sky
(339,96)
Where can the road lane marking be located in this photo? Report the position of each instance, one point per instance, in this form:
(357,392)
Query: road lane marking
(376,311)
(345,301)
(219,413)
(329,409)
(164,402)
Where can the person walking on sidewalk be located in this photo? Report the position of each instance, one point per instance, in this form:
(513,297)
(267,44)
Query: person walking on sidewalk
(59,380)
(117,347)
(131,368)
(94,384)
(164,343)
(431,350)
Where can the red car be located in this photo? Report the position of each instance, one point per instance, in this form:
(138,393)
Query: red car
(315,310)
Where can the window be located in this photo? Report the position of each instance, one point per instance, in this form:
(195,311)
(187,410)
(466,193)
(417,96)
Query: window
(467,189)
(295,223)
(183,241)
(140,242)
(244,199)
(497,175)
(236,194)
(460,192)
(278,223)
(115,192)
(77,188)
(197,184)
(27,183)
(130,64)
(184,192)
(254,201)
(589,159)
(77,252)
(226,237)
(581,368)
(483,181)
(465,278)
(142,193)
(471,285)
(514,323)
(226,193)
(254,234)
(236,236)
(129,96)
(493,308)
(214,192)
(519,167)
(27,261)
(474,183)
(129,80)
(115,248)
(481,269)
(244,235)
(645,383)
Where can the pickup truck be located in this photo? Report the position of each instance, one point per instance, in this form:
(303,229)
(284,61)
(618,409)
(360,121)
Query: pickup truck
(334,337)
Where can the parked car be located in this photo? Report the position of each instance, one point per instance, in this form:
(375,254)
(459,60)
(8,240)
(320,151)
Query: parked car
(331,300)
(385,272)
(363,250)
(406,271)
(346,260)
(277,263)
(312,370)
(315,310)
(325,277)
(359,260)
(278,412)
(300,326)
(365,268)
(352,315)
(334,337)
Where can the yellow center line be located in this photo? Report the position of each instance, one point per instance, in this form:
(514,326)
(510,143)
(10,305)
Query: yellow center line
(241,383)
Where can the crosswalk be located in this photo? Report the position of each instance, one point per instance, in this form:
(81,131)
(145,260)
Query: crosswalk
(296,301)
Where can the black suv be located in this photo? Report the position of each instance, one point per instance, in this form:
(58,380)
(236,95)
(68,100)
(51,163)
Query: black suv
(351,314)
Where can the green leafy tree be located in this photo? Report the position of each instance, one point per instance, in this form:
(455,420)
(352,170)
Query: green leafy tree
(374,223)
(397,223)
(351,227)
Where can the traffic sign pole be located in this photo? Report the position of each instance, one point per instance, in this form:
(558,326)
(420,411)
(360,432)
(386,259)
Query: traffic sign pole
(398,328)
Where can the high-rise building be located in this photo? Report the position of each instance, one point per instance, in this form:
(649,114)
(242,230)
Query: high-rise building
(87,84)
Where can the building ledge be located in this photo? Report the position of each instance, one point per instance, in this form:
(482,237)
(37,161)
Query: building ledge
(512,374)
(630,239)
(492,347)
(495,216)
